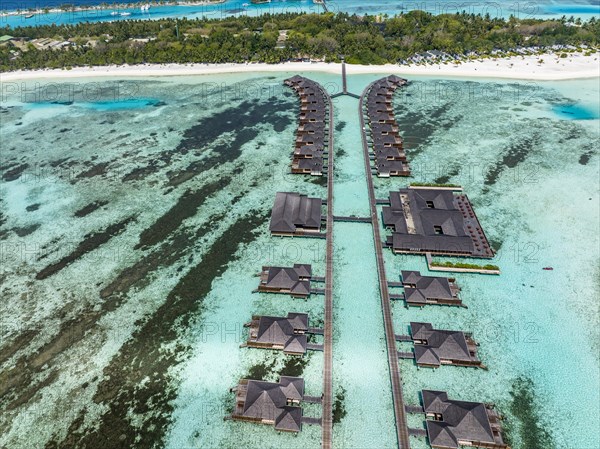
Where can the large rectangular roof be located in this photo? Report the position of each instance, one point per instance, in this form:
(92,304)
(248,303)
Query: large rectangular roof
(430,220)
(293,210)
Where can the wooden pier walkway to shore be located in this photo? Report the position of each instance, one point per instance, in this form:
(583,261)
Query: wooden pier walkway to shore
(390,337)
(327,418)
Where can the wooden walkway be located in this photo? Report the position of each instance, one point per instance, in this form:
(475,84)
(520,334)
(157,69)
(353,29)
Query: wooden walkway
(414,409)
(353,219)
(404,338)
(399,410)
(418,432)
(327,418)
(311,421)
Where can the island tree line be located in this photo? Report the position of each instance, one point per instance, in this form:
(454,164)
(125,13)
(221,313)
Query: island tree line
(274,38)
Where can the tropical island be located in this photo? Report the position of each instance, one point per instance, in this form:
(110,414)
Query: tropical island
(416,37)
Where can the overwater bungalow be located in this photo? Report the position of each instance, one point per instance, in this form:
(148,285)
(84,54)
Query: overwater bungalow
(314,138)
(293,80)
(452,424)
(311,128)
(312,97)
(276,404)
(387,153)
(383,129)
(387,140)
(386,168)
(309,151)
(295,214)
(423,290)
(294,281)
(379,107)
(436,347)
(382,117)
(288,334)
(435,221)
(308,166)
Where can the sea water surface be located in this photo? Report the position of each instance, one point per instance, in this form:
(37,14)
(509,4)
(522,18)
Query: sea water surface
(112,11)
(134,218)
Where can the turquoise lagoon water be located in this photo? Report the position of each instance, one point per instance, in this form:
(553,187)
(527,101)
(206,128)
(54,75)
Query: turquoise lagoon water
(524,10)
(145,202)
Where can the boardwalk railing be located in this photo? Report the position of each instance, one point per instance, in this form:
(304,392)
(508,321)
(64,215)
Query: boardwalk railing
(399,411)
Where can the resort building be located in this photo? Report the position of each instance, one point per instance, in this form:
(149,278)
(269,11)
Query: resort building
(452,424)
(308,166)
(423,290)
(435,221)
(276,404)
(295,214)
(288,334)
(435,347)
(312,133)
(385,141)
(294,281)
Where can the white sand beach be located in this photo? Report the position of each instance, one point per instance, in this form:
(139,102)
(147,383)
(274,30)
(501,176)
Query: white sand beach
(539,67)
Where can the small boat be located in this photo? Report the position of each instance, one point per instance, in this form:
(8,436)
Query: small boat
(548,268)
(114,13)
(29,16)
(125,14)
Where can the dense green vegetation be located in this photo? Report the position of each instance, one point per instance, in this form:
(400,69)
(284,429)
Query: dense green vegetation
(366,40)
(470,266)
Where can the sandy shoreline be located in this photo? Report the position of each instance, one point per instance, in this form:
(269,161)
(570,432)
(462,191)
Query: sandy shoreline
(575,66)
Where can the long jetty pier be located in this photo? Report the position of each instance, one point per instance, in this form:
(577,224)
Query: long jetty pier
(296,214)
(327,418)
(390,337)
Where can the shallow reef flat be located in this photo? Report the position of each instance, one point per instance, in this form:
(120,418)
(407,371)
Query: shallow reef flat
(134,218)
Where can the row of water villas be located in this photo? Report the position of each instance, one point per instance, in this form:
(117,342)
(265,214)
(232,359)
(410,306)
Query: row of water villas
(423,221)
(280,403)
(386,143)
(311,135)
(429,220)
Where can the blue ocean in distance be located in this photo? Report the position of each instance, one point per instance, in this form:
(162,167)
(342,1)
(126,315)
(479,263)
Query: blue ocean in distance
(103,106)
(229,8)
